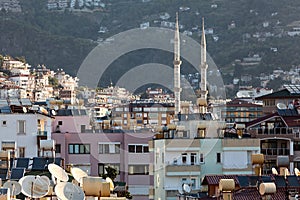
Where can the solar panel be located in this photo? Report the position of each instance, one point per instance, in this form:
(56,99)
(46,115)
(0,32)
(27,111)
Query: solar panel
(75,112)
(243,181)
(293,181)
(253,180)
(26,102)
(82,112)
(3,102)
(293,89)
(287,112)
(266,179)
(280,181)
(15,102)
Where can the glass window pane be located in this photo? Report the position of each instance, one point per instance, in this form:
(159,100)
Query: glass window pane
(139,149)
(131,148)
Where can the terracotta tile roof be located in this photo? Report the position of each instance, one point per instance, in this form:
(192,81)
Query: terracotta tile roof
(247,193)
(215,179)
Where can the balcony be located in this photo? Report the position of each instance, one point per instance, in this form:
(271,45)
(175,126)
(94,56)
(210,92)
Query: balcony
(41,133)
(275,151)
(183,170)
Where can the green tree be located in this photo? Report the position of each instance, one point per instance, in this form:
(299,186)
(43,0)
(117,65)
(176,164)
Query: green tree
(111,173)
(53,81)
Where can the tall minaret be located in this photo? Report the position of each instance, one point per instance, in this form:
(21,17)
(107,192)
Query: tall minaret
(202,100)
(177,63)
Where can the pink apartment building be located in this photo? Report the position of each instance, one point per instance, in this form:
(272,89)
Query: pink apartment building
(92,150)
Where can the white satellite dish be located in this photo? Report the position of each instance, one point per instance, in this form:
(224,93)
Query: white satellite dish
(67,191)
(24,110)
(58,172)
(281,106)
(186,188)
(111,184)
(180,190)
(78,174)
(34,186)
(14,187)
(274,171)
(53,112)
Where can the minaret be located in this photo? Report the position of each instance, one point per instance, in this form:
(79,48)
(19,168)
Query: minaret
(177,63)
(202,100)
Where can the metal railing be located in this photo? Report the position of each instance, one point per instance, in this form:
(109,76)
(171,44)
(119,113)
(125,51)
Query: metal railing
(275,151)
(269,131)
(42,133)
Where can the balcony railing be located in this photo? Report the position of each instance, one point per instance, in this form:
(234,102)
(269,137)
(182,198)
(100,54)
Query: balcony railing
(42,133)
(272,131)
(275,151)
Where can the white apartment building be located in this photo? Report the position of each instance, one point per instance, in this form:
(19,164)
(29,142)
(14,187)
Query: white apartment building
(23,128)
(186,152)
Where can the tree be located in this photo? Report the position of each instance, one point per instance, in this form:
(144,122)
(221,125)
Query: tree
(111,173)
(53,81)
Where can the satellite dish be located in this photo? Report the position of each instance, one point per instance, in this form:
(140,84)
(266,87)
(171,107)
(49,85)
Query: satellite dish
(53,112)
(34,186)
(43,110)
(274,171)
(67,191)
(296,171)
(46,179)
(24,110)
(58,172)
(111,183)
(180,190)
(281,106)
(78,174)
(14,187)
(186,188)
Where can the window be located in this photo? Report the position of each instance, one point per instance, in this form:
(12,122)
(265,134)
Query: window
(138,169)
(201,158)
(22,152)
(193,158)
(296,145)
(193,183)
(184,158)
(21,127)
(79,149)
(4,123)
(131,148)
(57,148)
(109,148)
(218,157)
(138,148)
(102,166)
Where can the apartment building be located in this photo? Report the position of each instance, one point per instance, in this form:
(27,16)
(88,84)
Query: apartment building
(20,124)
(186,152)
(94,149)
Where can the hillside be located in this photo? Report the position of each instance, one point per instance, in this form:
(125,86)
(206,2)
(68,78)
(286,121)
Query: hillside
(63,38)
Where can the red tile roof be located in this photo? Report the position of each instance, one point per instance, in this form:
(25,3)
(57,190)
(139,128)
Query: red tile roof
(215,179)
(246,193)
